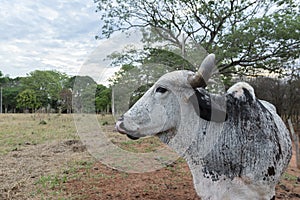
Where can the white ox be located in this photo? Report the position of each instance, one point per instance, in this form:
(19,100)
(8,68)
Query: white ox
(236,146)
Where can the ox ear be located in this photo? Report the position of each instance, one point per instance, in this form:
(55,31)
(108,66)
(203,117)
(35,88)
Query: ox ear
(208,108)
(200,78)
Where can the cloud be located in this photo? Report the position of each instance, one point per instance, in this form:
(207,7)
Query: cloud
(98,66)
(57,34)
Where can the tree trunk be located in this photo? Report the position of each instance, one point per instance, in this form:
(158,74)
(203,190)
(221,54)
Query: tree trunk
(296,142)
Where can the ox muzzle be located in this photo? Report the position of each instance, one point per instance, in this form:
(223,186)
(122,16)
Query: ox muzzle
(120,128)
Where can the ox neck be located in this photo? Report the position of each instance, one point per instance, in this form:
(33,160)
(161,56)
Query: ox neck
(186,132)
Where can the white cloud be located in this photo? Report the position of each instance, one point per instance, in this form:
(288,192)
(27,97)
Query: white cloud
(56,35)
(40,34)
(98,66)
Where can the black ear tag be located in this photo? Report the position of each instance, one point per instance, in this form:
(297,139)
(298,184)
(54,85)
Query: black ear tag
(208,108)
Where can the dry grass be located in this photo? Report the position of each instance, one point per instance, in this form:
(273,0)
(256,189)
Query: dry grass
(41,158)
(18,130)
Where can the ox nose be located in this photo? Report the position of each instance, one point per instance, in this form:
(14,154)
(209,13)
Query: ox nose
(120,126)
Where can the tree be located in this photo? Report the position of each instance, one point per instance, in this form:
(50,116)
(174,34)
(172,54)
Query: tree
(9,98)
(292,104)
(83,93)
(282,93)
(47,86)
(65,100)
(271,90)
(103,98)
(27,100)
(3,79)
(242,33)
(10,89)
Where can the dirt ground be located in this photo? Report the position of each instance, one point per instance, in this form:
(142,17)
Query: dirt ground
(64,170)
(22,168)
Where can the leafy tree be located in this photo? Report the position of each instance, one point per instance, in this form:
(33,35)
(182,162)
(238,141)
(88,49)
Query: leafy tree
(130,83)
(168,58)
(271,90)
(138,93)
(249,34)
(47,86)
(3,79)
(65,102)
(9,98)
(292,103)
(121,73)
(83,90)
(103,98)
(10,90)
(27,100)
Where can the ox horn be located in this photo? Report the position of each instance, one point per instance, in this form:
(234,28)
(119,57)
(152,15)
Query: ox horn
(200,78)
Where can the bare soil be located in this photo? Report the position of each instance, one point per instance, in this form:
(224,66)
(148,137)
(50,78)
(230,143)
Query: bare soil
(64,170)
(21,169)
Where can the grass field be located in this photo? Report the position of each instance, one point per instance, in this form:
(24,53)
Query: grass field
(42,157)
(18,130)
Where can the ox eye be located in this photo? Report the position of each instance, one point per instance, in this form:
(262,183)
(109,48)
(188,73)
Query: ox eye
(161,90)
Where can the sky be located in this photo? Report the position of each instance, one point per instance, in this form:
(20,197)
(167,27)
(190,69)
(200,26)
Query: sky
(52,35)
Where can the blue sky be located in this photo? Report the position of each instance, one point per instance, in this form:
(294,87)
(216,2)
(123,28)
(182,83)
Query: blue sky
(47,35)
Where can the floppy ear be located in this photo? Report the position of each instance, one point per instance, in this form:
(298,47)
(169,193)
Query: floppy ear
(208,108)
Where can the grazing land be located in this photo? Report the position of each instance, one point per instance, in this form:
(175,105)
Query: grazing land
(42,157)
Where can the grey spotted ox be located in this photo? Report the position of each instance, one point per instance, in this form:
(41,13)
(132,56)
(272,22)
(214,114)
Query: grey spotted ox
(235,145)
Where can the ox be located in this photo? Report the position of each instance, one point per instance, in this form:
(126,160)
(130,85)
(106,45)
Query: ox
(236,145)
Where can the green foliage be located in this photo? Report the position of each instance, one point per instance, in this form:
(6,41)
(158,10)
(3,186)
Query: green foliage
(274,42)
(65,103)
(3,80)
(131,82)
(84,89)
(135,78)
(56,91)
(27,100)
(168,58)
(47,85)
(138,93)
(103,98)
(10,88)
(245,35)
(9,97)
(121,73)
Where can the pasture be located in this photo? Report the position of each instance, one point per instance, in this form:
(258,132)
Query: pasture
(42,157)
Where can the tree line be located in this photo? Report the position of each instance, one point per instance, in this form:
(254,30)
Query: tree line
(51,91)
(249,38)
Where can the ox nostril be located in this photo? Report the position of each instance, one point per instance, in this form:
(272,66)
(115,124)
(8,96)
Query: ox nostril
(120,127)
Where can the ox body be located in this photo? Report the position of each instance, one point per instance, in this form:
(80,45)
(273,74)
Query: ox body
(236,145)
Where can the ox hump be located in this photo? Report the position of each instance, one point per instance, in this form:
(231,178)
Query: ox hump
(242,91)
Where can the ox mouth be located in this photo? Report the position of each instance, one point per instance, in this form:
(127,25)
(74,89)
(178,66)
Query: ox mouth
(132,137)
(165,136)
(120,128)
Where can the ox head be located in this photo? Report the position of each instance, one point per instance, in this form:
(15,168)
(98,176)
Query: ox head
(160,110)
